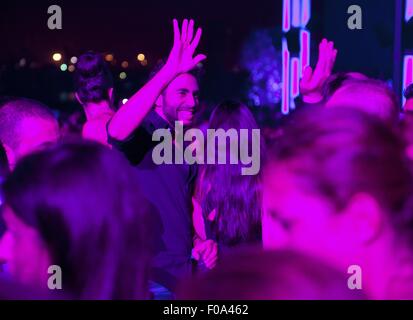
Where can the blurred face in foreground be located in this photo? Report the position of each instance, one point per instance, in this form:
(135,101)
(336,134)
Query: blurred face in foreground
(25,253)
(297,217)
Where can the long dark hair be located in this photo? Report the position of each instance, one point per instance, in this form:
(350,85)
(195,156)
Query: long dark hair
(92,78)
(236,198)
(85,204)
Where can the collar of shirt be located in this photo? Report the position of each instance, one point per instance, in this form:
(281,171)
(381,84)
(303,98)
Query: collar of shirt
(154,121)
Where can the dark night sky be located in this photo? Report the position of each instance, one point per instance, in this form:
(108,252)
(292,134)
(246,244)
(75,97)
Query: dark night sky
(126,27)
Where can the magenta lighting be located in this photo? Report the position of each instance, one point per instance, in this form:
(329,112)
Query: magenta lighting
(407,73)
(296,14)
(305,49)
(296,21)
(286,15)
(295,81)
(409,10)
(285,101)
(408,59)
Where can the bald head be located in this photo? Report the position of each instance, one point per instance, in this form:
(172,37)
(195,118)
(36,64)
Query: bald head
(25,125)
(371,96)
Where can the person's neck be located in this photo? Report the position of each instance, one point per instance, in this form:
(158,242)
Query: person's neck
(94,110)
(160,112)
(386,267)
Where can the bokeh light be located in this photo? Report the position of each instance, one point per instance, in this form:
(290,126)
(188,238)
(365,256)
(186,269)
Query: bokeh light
(57,56)
(109,57)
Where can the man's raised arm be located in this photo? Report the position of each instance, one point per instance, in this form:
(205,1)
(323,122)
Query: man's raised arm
(180,60)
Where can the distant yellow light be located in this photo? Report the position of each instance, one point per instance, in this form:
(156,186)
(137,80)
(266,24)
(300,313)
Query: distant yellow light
(124,64)
(73,60)
(71,68)
(57,57)
(140,57)
(109,57)
(122,75)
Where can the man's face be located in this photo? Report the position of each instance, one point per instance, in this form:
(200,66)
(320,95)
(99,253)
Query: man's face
(180,99)
(24,251)
(35,133)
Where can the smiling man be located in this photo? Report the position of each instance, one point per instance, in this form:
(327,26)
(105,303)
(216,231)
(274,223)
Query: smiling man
(179,101)
(170,95)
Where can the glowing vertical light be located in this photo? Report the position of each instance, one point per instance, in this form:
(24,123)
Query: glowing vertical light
(295,77)
(296,13)
(409,10)
(407,73)
(305,38)
(305,12)
(285,101)
(287,15)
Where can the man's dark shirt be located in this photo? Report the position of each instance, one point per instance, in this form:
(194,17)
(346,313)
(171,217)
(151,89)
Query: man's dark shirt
(169,188)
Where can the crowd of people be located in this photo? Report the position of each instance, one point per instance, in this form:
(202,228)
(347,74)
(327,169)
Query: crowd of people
(335,190)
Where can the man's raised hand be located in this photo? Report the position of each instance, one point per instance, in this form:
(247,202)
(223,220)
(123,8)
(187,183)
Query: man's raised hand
(181,58)
(311,84)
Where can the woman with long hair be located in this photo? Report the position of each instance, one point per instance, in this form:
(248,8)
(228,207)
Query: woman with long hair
(227,204)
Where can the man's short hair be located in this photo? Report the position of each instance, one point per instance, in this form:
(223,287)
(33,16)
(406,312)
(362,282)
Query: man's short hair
(13,111)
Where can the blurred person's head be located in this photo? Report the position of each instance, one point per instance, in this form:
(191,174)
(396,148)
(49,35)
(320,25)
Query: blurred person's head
(93,80)
(337,80)
(179,101)
(269,275)
(338,185)
(25,126)
(233,199)
(77,206)
(372,96)
(408,94)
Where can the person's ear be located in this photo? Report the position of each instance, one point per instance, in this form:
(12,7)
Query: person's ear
(11,156)
(78,98)
(365,218)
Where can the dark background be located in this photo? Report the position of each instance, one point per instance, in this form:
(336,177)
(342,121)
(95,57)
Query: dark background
(126,28)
